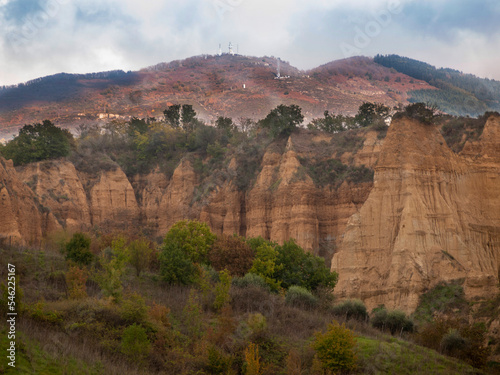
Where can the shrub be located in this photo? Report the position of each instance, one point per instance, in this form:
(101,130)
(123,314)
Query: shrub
(175,265)
(250,280)
(335,348)
(442,298)
(351,309)
(257,322)
(218,363)
(300,297)
(193,237)
(231,253)
(452,343)
(134,309)
(76,279)
(159,313)
(78,249)
(192,314)
(222,288)
(420,111)
(135,343)
(394,321)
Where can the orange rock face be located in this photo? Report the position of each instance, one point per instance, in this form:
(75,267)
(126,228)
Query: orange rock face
(431,216)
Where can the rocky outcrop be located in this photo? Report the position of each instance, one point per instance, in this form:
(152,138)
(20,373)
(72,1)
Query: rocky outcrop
(431,216)
(23,218)
(58,186)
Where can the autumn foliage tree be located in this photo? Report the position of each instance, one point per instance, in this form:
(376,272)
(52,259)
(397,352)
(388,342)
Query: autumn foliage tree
(231,253)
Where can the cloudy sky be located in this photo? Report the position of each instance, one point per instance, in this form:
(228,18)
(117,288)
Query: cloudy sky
(42,37)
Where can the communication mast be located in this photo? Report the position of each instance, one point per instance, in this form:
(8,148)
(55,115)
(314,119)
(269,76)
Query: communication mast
(220,49)
(231,52)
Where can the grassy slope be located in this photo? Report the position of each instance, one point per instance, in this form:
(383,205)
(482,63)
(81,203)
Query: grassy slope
(54,349)
(32,358)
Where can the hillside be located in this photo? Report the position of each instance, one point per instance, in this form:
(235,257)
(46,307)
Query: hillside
(405,215)
(215,85)
(459,94)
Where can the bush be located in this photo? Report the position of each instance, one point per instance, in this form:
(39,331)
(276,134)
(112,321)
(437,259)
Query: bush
(231,253)
(175,265)
(222,288)
(135,343)
(134,309)
(394,321)
(192,237)
(443,298)
(218,363)
(452,343)
(250,280)
(351,309)
(300,297)
(76,279)
(335,348)
(78,249)
(419,111)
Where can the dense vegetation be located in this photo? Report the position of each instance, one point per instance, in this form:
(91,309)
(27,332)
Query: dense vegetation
(208,304)
(279,318)
(459,94)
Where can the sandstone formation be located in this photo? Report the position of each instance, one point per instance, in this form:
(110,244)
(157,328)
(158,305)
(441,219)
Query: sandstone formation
(431,216)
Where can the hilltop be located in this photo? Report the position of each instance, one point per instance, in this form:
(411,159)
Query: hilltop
(233,86)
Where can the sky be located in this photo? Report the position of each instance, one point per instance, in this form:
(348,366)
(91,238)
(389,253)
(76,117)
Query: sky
(43,37)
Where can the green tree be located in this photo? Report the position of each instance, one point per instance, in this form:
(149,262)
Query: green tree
(188,114)
(137,126)
(265,265)
(78,249)
(38,142)
(173,115)
(113,261)
(369,113)
(302,269)
(194,238)
(222,288)
(331,123)
(335,348)
(225,124)
(175,265)
(140,253)
(283,120)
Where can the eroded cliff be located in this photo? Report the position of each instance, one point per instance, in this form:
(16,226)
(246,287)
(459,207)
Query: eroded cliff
(432,216)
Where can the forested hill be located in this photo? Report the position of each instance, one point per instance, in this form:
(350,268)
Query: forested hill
(458,94)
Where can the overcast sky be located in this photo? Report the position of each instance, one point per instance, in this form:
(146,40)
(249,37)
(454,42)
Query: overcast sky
(42,37)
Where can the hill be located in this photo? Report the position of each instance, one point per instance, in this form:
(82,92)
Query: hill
(234,86)
(459,94)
